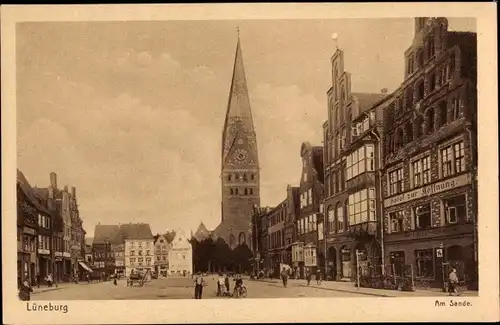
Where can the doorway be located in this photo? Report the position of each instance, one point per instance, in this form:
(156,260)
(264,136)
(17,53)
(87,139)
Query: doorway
(346,263)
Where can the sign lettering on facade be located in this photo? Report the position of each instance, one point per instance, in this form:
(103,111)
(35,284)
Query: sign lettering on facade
(58,254)
(29,231)
(43,251)
(429,190)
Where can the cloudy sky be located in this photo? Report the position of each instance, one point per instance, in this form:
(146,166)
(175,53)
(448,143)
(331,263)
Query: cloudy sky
(131,113)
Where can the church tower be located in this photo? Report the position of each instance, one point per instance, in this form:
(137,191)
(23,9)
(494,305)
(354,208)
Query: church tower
(240,162)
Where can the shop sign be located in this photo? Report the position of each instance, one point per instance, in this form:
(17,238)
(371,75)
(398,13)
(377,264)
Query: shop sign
(58,254)
(439,252)
(29,231)
(429,190)
(43,251)
(66,254)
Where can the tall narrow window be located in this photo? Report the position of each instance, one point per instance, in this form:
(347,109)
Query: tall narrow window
(409,132)
(429,115)
(423,216)
(451,69)
(430,47)
(251,191)
(456,108)
(459,152)
(229,178)
(236,191)
(446,159)
(431,81)
(443,113)
(396,181)
(232,191)
(246,191)
(396,219)
(245,177)
(370,158)
(331,219)
(417,174)
(340,218)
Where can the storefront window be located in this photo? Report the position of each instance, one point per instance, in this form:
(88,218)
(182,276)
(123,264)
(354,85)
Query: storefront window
(455,209)
(424,263)
(397,262)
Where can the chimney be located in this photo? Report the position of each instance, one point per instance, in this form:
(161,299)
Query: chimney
(73,191)
(53,180)
(384,91)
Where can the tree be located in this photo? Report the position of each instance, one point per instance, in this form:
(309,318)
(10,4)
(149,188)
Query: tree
(242,258)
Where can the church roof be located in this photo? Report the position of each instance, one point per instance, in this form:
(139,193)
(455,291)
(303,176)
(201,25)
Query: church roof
(238,107)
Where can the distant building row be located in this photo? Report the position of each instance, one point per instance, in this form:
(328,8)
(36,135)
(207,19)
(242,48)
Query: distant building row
(124,248)
(50,234)
(396,178)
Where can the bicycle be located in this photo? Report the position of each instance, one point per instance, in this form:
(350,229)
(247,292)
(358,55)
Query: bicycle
(240,292)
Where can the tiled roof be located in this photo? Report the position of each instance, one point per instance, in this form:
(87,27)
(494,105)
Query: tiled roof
(28,191)
(136,231)
(89,240)
(105,234)
(368,100)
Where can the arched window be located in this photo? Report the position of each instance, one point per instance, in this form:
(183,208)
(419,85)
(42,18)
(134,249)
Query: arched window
(429,117)
(409,98)
(420,90)
(420,59)
(229,178)
(340,217)
(418,127)
(452,65)
(399,138)
(232,192)
(430,47)
(331,219)
(409,132)
(431,81)
(337,118)
(443,113)
(410,65)
(242,238)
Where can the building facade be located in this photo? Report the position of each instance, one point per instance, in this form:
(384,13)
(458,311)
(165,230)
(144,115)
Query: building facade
(276,236)
(180,257)
(119,255)
(352,174)
(431,153)
(292,211)
(307,250)
(139,247)
(240,163)
(162,249)
(103,256)
(33,243)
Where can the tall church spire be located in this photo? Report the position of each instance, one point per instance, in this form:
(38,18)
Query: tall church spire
(238,107)
(240,163)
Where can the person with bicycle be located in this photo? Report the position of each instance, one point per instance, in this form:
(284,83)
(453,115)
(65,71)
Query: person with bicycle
(238,284)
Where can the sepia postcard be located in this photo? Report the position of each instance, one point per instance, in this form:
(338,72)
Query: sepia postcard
(280,162)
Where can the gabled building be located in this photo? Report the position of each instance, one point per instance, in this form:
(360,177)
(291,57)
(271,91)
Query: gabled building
(276,236)
(291,214)
(431,157)
(307,250)
(162,249)
(139,247)
(180,257)
(103,256)
(34,234)
(352,157)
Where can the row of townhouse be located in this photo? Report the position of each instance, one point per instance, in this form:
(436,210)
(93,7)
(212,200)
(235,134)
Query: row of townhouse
(394,186)
(50,234)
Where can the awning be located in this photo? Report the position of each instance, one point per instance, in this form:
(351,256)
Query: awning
(85,266)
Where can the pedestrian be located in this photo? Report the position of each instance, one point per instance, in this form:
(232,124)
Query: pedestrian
(38,280)
(25,289)
(220,284)
(318,277)
(453,282)
(198,286)
(308,276)
(284,277)
(49,280)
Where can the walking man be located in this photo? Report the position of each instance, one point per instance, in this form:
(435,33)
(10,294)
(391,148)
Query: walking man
(25,289)
(308,276)
(198,286)
(284,277)
(453,282)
